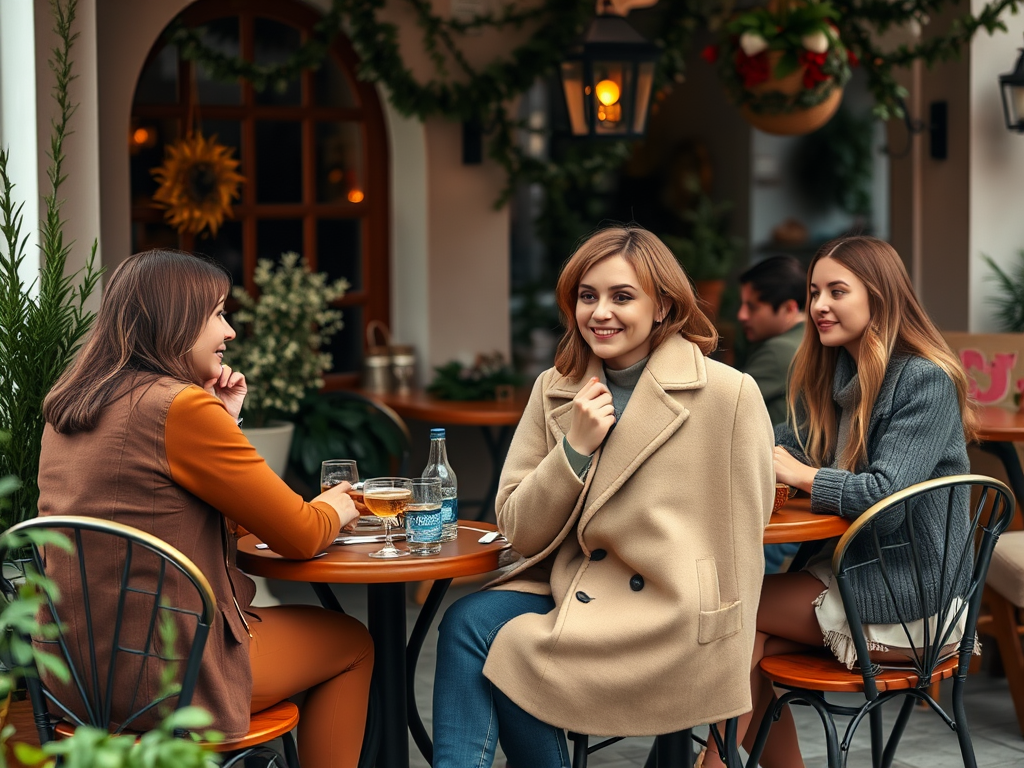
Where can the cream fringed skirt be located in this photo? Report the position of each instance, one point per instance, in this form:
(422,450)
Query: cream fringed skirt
(886,642)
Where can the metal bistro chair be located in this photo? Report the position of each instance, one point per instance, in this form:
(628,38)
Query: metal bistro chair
(893,527)
(113,660)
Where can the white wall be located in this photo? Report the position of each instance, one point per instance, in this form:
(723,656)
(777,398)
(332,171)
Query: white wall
(996,169)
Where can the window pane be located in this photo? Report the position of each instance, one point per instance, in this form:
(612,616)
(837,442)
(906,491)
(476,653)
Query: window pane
(220,35)
(339,163)
(149,235)
(158,83)
(146,150)
(339,250)
(346,346)
(332,87)
(228,133)
(277,236)
(274,43)
(278,161)
(227,249)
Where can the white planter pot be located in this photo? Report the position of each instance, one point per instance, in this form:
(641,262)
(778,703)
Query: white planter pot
(272,443)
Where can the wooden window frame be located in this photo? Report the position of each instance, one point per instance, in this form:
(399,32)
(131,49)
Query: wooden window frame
(374,293)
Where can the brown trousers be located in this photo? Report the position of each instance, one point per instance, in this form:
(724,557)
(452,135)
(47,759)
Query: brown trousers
(330,655)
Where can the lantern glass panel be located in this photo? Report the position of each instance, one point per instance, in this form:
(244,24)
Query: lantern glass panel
(1013,101)
(572,86)
(611,97)
(644,84)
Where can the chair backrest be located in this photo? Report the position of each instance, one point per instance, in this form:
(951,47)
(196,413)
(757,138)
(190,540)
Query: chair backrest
(347,425)
(931,547)
(141,612)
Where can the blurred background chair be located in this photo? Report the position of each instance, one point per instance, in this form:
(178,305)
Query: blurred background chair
(809,676)
(1004,596)
(178,614)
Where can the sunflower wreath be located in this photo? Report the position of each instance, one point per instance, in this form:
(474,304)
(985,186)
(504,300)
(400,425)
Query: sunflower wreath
(198,182)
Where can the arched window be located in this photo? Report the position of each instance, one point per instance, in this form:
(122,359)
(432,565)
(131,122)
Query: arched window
(314,156)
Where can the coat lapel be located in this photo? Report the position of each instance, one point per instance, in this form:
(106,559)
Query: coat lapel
(651,417)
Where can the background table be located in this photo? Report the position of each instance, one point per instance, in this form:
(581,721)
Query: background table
(998,429)
(395,662)
(495,420)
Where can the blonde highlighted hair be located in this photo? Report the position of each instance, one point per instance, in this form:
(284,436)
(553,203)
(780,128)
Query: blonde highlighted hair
(660,277)
(898,325)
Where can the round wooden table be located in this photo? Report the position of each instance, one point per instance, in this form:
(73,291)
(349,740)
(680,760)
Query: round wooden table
(395,665)
(795,522)
(496,419)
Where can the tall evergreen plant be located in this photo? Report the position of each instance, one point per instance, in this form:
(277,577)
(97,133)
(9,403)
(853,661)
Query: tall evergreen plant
(43,323)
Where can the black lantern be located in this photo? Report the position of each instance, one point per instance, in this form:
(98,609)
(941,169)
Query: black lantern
(607,79)
(1012,87)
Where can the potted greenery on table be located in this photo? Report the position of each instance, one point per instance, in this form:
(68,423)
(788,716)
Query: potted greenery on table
(281,335)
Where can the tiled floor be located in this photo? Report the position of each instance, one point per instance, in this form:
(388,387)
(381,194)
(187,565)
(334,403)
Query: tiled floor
(927,743)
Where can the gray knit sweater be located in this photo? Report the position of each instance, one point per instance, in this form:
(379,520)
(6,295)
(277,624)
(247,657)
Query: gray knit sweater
(915,434)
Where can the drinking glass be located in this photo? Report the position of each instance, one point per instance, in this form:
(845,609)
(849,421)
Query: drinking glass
(423,517)
(387,497)
(335,471)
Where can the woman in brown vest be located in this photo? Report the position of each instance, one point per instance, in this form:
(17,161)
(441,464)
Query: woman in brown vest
(143,429)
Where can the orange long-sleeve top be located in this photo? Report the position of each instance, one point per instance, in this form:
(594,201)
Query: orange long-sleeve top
(210,457)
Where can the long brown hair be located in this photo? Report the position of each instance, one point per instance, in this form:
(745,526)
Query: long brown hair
(154,307)
(660,277)
(898,325)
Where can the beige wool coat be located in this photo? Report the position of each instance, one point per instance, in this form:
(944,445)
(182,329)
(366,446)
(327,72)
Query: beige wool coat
(654,562)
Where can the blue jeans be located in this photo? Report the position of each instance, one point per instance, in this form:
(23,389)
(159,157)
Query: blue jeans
(470,714)
(775,555)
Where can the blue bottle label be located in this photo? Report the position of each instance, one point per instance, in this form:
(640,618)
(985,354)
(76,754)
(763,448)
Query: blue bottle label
(423,526)
(449,510)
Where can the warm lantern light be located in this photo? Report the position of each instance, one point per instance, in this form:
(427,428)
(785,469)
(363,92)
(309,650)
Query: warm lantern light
(607,92)
(607,79)
(1011,85)
(355,196)
(141,136)
(335,175)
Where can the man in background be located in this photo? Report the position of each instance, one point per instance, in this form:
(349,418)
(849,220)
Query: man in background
(772,295)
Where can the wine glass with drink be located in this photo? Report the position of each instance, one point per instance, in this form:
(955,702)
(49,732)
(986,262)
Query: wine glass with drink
(336,471)
(387,497)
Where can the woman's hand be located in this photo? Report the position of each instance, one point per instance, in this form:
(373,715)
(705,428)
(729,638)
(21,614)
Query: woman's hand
(792,471)
(593,414)
(337,496)
(230,388)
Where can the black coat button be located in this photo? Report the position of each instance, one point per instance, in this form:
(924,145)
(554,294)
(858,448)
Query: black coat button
(598,554)
(583,597)
(636,583)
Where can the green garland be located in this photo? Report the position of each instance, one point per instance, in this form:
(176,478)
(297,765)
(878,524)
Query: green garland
(481,94)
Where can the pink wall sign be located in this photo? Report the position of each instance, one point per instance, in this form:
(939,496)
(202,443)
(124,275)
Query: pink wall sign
(991,360)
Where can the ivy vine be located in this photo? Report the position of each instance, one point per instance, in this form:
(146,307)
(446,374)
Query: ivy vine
(482,94)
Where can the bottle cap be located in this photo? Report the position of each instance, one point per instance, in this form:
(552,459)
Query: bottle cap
(436,432)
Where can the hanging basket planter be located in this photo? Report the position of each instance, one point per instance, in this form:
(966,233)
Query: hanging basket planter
(784,65)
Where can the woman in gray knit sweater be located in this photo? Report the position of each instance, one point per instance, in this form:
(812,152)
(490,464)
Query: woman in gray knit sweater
(877,403)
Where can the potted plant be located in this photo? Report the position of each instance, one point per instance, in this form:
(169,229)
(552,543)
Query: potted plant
(282,332)
(783,64)
(708,253)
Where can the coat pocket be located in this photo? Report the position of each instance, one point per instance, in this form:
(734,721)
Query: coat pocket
(235,629)
(716,620)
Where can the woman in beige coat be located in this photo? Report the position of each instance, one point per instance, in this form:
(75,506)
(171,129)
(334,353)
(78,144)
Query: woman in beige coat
(631,608)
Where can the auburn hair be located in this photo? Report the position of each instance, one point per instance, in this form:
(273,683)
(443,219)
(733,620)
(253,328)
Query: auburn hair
(898,324)
(154,307)
(660,277)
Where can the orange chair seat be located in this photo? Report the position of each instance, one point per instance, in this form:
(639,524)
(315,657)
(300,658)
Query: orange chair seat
(823,672)
(265,725)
